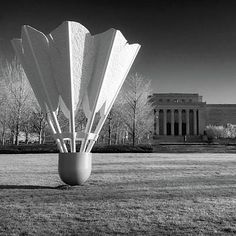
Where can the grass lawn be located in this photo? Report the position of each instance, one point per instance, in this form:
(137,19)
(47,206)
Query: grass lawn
(134,194)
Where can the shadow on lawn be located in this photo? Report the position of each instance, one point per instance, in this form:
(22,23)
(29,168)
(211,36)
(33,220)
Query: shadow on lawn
(60,187)
(25,187)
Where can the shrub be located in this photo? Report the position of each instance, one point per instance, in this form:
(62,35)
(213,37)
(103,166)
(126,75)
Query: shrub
(30,148)
(122,149)
(52,148)
(216,132)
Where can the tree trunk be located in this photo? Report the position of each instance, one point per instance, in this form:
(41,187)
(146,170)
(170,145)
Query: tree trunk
(134,124)
(26,137)
(43,137)
(12,135)
(133,135)
(134,131)
(3,138)
(117,135)
(109,132)
(40,136)
(17,135)
(16,139)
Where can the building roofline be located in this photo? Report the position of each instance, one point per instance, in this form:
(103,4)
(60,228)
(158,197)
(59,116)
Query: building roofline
(221,105)
(188,94)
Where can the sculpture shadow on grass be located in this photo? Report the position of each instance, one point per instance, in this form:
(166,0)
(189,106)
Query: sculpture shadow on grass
(60,187)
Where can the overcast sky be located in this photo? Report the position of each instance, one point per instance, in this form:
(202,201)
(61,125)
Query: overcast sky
(187,46)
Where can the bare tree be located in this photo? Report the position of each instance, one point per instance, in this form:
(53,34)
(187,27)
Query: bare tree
(137,109)
(38,123)
(18,94)
(80,120)
(4,113)
(113,129)
(107,130)
(3,105)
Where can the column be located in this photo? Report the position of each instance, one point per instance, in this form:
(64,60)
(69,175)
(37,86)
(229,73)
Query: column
(154,124)
(164,121)
(187,121)
(172,122)
(180,121)
(157,121)
(195,122)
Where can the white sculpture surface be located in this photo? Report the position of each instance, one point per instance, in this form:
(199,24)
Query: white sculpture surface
(70,69)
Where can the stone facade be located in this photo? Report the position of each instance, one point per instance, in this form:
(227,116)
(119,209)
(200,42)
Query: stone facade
(180,114)
(221,114)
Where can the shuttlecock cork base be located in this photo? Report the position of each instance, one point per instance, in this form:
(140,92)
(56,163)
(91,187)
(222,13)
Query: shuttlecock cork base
(74,168)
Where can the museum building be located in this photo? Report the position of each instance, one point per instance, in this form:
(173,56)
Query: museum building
(180,114)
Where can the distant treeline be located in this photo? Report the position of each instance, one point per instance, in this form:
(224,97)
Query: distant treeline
(52,148)
(21,120)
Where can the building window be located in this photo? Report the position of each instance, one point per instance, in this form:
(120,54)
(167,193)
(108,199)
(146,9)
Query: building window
(160,100)
(190,100)
(175,100)
(168,100)
(183,100)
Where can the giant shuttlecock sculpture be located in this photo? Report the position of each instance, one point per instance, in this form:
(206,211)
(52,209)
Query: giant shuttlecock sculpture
(72,69)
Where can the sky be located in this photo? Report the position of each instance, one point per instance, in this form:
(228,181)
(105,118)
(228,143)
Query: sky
(186,46)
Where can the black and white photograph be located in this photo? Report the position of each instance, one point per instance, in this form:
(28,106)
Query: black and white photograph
(118,118)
